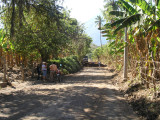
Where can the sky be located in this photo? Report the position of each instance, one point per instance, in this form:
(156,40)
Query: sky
(84,10)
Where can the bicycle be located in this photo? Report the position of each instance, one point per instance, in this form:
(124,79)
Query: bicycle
(58,76)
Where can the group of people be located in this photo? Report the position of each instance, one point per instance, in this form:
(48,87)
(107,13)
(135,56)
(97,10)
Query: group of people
(53,69)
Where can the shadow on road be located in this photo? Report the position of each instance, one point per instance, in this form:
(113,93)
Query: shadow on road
(71,100)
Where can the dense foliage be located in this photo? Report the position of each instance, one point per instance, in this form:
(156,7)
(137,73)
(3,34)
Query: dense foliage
(141,17)
(67,64)
(36,31)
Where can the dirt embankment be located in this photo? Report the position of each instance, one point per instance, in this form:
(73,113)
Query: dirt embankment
(141,99)
(86,95)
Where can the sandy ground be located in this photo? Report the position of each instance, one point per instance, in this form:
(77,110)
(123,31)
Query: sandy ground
(86,95)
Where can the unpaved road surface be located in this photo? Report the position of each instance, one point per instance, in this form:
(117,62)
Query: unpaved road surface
(86,95)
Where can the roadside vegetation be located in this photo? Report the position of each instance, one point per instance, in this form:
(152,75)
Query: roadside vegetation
(141,18)
(36,31)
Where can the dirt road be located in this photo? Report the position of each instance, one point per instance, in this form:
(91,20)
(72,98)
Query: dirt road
(87,95)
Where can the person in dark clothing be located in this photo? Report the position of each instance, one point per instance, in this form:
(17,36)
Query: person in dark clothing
(38,71)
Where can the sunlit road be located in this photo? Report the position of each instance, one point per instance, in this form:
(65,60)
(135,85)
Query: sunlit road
(86,95)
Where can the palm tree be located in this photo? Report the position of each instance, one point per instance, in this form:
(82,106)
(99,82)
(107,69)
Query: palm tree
(99,21)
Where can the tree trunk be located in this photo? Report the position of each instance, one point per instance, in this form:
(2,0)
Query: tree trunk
(44,57)
(11,58)
(22,72)
(100,39)
(1,56)
(8,59)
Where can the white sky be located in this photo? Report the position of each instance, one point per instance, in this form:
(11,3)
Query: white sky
(83,10)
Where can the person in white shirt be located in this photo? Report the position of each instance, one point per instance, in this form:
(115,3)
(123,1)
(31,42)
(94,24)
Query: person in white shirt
(44,70)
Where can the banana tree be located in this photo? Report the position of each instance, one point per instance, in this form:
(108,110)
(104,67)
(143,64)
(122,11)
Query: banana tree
(126,16)
(146,22)
(3,46)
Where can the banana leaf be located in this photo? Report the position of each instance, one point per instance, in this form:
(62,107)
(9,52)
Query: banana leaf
(117,13)
(112,43)
(143,5)
(128,7)
(129,21)
(2,36)
(120,21)
(157,23)
(107,25)
(158,4)
(109,36)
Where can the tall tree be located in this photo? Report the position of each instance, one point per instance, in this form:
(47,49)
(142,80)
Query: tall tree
(99,21)
(16,9)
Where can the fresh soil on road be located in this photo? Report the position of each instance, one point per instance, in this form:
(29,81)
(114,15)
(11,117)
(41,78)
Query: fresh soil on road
(86,95)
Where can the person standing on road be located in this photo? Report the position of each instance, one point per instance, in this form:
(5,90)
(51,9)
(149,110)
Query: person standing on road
(53,69)
(44,70)
(99,64)
(38,71)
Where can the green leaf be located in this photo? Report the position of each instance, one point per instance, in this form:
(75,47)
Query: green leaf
(131,39)
(120,50)
(157,23)
(4,46)
(109,37)
(2,36)
(112,43)
(117,13)
(158,4)
(105,31)
(107,25)
(128,7)
(119,28)
(143,5)
(118,22)
(129,21)
(158,39)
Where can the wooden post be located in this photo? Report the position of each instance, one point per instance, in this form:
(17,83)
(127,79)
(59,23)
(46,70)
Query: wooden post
(125,55)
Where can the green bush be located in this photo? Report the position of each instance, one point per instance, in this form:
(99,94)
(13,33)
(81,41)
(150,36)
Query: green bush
(65,72)
(69,64)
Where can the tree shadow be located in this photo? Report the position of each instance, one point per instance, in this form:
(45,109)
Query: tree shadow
(149,110)
(67,100)
(74,103)
(135,88)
